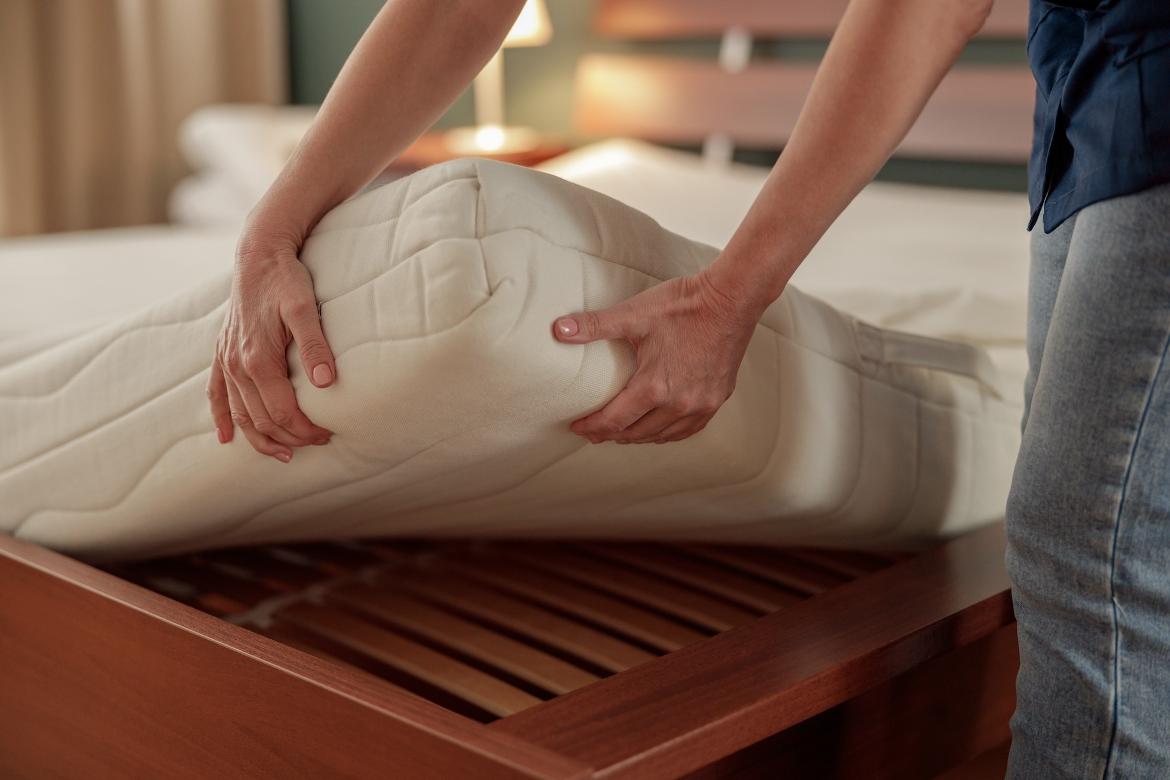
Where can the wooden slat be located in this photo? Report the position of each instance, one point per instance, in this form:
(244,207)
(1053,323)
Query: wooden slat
(212,590)
(772,565)
(433,668)
(709,700)
(337,557)
(978,112)
(664,19)
(102,678)
(600,609)
(516,658)
(291,636)
(695,607)
(847,563)
(521,617)
(277,573)
(664,561)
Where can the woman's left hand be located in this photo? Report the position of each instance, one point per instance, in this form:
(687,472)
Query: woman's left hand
(689,338)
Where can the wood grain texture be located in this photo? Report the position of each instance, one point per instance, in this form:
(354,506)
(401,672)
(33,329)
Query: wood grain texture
(419,661)
(664,19)
(670,563)
(711,699)
(977,113)
(104,678)
(529,620)
(946,712)
(465,637)
(581,602)
(685,603)
(773,566)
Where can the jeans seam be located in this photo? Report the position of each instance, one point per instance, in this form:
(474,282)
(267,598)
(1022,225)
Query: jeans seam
(1116,682)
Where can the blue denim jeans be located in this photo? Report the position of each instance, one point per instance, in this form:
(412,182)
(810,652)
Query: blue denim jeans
(1088,518)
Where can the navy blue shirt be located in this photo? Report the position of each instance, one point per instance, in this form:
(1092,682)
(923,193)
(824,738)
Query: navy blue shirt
(1102,121)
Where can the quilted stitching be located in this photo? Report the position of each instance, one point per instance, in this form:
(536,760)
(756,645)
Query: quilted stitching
(502,453)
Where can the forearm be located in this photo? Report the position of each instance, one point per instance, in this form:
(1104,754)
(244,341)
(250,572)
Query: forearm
(409,66)
(882,65)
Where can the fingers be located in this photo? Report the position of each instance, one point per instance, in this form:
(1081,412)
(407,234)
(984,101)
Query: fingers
(305,326)
(608,422)
(683,428)
(647,411)
(289,423)
(261,415)
(583,327)
(272,303)
(261,443)
(647,427)
(221,412)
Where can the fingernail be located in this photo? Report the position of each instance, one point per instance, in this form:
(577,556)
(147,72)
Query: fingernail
(222,434)
(322,441)
(322,375)
(566,326)
(283,457)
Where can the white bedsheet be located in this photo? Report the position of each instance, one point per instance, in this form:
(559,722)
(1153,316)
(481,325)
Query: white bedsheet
(58,285)
(452,405)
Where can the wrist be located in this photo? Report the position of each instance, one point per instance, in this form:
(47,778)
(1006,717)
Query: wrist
(752,289)
(264,238)
(726,304)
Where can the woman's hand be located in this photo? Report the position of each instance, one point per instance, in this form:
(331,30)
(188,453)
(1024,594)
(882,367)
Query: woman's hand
(272,304)
(689,337)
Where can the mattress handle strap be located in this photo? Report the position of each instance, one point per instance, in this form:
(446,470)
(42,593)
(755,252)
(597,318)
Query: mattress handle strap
(890,346)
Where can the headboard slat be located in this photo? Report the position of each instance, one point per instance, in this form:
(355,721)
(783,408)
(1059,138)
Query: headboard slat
(978,113)
(662,19)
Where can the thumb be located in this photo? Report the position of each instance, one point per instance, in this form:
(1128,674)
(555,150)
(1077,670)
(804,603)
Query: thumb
(583,327)
(316,357)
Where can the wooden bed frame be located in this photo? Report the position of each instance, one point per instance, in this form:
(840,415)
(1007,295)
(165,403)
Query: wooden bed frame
(542,660)
(502,659)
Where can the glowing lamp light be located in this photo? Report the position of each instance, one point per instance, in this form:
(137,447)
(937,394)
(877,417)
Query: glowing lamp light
(532,27)
(491,135)
(489,138)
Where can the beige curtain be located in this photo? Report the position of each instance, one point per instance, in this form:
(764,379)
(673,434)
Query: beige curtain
(92,93)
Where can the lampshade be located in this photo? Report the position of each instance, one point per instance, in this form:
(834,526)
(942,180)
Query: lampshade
(532,27)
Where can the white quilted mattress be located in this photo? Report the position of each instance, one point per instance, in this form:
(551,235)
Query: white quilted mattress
(453,400)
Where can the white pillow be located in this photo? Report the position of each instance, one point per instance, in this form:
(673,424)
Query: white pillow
(244,144)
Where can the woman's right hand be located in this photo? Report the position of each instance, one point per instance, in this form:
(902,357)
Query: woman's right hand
(272,304)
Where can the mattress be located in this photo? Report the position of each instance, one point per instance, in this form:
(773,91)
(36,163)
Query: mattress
(453,400)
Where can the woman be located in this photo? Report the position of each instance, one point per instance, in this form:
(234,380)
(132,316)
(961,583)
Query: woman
(1089,514)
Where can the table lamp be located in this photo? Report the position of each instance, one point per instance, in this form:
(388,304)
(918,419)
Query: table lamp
(491,135)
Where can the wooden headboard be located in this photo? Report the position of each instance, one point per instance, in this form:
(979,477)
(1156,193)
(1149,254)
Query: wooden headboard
(980,112)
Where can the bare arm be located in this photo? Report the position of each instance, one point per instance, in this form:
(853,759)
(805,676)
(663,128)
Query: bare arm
(884,62)
(690,334)
(409,66)
(413,61)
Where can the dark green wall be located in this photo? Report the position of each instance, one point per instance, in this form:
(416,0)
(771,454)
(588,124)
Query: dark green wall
(538,81)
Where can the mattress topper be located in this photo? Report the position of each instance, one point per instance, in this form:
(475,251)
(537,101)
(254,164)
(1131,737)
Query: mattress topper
(453,399)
